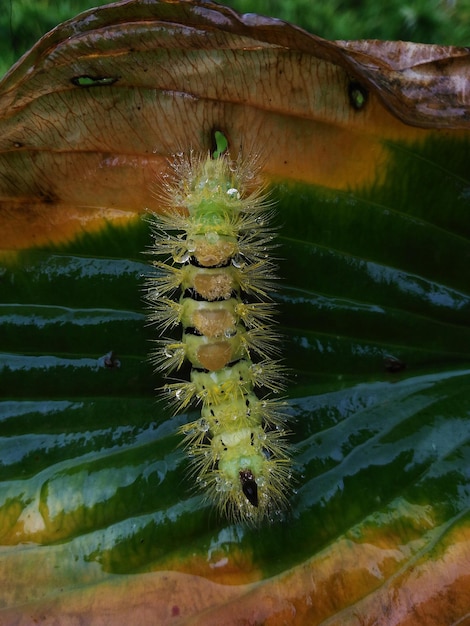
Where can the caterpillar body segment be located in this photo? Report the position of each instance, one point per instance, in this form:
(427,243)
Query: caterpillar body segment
(213,242)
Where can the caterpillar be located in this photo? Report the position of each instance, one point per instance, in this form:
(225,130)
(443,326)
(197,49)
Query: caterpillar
(213,239)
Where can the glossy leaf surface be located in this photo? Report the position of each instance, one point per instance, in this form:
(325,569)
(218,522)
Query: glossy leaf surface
(365,147)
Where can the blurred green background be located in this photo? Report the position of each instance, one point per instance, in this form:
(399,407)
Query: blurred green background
(427,21)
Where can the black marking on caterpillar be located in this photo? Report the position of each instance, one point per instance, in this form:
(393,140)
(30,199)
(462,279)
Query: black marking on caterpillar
(213,241)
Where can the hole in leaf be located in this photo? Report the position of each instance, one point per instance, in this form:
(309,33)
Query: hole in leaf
(219,144)
(93,81)
(357,96)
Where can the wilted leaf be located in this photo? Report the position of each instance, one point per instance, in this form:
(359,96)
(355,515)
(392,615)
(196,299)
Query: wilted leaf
(365,144)
(101,101)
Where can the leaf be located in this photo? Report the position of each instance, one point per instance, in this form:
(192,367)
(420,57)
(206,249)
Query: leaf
(365,145)
(85,114)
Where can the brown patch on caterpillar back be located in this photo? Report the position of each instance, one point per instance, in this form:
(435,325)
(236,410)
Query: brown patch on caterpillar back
(214,323)
(211,250)
(215,356)
(214,286)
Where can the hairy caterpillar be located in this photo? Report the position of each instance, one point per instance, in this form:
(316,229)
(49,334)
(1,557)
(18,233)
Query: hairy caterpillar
(214,237)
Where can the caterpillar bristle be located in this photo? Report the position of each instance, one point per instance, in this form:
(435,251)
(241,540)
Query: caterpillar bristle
(179,395)
(214,239)
(273,413)
(167,282)
(166,313)
(168,356)
(262,341)
(257,279)
(269,374)
(256,314)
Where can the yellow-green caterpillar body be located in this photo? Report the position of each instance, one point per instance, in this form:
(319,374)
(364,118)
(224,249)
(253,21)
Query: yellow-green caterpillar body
(213,239)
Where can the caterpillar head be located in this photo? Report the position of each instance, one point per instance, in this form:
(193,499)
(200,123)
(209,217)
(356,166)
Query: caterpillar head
(249,486)
(249,481)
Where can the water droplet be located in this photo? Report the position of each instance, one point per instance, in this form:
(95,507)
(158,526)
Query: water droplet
(238,263)
(212,237)
(256,369)
(184,258)
(203,426)
(233,193)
